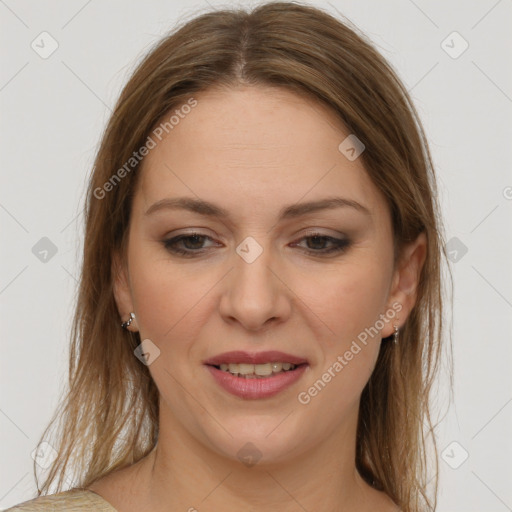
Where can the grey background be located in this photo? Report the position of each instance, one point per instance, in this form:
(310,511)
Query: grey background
(53,111)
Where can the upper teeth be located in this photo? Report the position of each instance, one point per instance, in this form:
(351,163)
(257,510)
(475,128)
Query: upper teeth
(256,369)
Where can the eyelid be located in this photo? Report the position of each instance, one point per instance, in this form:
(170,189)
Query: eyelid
(339,244)
(202,231)
(322,232)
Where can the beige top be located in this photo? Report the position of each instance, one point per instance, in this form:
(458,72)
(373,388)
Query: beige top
(74,500)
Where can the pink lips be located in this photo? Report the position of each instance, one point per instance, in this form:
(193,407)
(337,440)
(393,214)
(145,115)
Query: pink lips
(253,389)
(239,356)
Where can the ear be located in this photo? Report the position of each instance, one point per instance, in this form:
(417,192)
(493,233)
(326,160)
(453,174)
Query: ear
(405,281)
(122,291)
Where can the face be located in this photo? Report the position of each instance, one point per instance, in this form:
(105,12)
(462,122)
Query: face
(293,253)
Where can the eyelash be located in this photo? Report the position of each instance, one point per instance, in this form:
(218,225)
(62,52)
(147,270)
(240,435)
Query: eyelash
(340,245)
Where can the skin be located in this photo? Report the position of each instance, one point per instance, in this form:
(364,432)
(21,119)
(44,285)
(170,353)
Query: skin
(254,150)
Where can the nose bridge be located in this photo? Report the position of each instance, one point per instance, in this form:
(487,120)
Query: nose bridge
(254,295)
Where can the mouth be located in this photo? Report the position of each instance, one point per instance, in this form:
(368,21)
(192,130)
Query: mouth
(257,371)
(257,375)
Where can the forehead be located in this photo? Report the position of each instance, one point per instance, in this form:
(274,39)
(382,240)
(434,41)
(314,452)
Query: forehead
(260,145)
(251,119)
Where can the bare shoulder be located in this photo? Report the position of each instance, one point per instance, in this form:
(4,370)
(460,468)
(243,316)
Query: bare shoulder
(75,500)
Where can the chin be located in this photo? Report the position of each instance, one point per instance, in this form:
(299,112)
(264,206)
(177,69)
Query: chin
(257,441)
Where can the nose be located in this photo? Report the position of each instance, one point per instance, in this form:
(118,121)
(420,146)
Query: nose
(255,294)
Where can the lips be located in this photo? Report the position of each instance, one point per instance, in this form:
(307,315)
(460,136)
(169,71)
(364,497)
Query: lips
(255,388)
(240,356)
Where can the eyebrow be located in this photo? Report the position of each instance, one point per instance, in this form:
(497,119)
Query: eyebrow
(295,210)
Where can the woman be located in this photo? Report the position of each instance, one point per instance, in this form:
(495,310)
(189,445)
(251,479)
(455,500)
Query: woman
(259,318)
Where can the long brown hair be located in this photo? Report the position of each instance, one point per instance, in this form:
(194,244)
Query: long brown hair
(109,415)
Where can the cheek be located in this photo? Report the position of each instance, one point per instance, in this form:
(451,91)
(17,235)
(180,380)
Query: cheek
(163,297)
(349,302)
(157,307)
(350,298)
(174,303)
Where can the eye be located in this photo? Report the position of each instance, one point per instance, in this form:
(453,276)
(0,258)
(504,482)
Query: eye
(316,244)
(186,245)
(192,244)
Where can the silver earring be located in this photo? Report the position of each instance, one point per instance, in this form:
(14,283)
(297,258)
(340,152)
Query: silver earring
(395,334)
(126,324)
